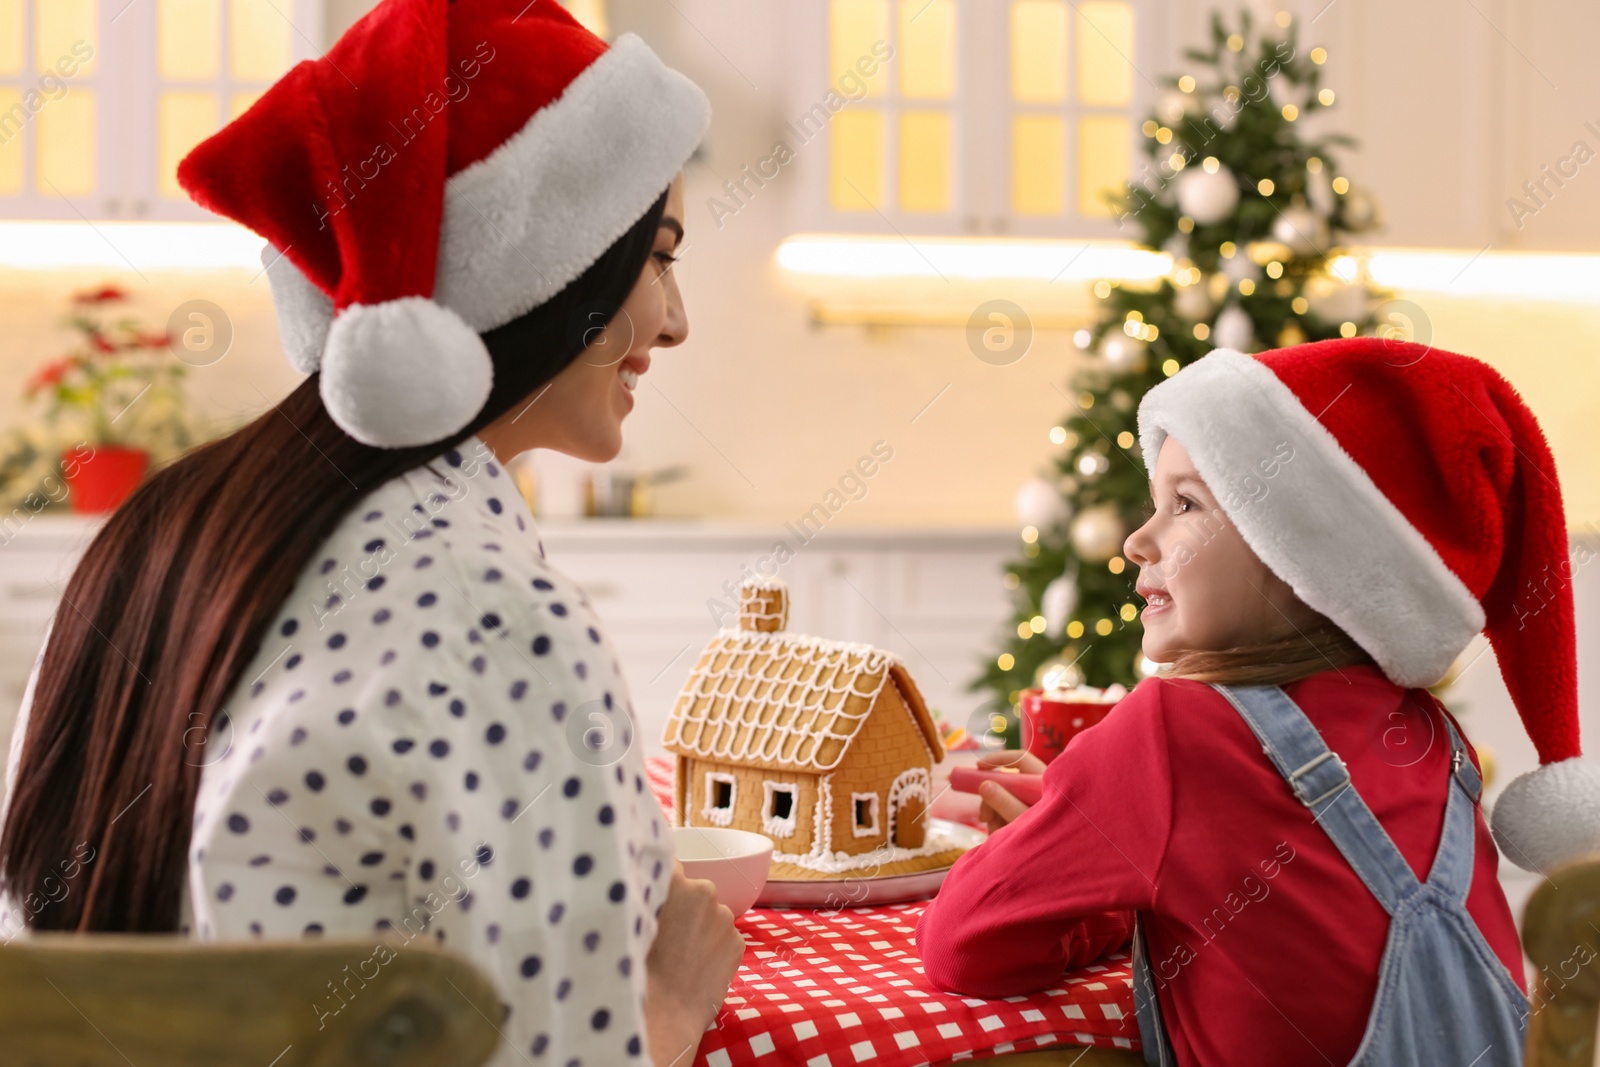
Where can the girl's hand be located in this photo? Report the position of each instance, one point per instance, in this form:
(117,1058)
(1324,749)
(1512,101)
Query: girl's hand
(999,807)
(692,962)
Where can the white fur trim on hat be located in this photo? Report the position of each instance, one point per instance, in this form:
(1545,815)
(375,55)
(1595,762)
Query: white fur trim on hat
(1318,522)
(304,311)
(403,372)
(523,222)
(1550,816)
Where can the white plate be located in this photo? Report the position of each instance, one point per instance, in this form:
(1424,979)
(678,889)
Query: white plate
(854,890)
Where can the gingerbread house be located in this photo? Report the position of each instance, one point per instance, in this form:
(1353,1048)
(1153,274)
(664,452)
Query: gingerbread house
(824,746)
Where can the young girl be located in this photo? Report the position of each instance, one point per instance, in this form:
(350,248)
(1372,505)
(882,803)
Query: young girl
(1331,524)
(317,678)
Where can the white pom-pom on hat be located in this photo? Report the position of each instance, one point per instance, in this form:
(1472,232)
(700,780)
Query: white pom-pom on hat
(403,372)
(1550,816)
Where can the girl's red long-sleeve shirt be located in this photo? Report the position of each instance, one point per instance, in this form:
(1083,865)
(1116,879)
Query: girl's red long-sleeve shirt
(1264,942)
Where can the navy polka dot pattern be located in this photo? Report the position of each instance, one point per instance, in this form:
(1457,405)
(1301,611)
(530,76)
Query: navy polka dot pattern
(405,756)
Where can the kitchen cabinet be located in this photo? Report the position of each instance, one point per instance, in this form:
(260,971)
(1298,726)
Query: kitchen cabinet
(932,596)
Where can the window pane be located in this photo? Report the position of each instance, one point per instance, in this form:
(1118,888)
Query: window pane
(10,143)
(927,50)
(925,161)
(188,39)
(258,41)
(1105,152)
(1038,164)
(58,25)
(241,103)
(184,119)
(1039,51)
(10,37)
(1105,52)
(858,137)
(854,27)
(65,145)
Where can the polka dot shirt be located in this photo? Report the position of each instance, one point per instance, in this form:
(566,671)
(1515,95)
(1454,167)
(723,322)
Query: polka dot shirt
(435,741)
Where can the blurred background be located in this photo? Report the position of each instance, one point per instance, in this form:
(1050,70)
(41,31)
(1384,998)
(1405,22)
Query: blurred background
(935,252)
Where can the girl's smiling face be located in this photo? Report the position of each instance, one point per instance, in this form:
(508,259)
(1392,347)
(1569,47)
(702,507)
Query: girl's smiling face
(1204,588)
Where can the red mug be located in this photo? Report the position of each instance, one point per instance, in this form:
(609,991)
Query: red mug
(1049,724)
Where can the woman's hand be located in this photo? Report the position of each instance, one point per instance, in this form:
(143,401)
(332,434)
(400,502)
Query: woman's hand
(999,807)
(692,962)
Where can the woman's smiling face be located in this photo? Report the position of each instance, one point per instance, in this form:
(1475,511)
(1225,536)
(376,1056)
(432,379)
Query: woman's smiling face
(1203,586)
(580,410)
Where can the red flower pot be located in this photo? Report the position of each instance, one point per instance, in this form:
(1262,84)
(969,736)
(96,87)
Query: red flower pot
(103,476)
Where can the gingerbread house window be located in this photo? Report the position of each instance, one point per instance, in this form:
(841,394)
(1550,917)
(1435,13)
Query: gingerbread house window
(778,809)
(718,809)
(865,809)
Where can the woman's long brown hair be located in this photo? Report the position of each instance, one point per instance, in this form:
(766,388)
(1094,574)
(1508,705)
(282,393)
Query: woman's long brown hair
(169,605)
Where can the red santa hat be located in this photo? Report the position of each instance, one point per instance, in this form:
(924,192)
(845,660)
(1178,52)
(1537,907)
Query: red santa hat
(1409,495)
(443,169)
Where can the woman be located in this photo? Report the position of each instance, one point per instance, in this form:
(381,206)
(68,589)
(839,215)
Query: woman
(316,678)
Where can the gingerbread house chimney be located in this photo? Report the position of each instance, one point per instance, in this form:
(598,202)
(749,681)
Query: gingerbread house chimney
(763,605)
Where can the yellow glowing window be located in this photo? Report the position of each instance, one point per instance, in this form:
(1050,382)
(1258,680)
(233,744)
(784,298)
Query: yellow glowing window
(1105,52)
(858,165)
(1038,164)
(188,39)
(58,25)
(10,37)
(854,27)
(10,144)
(1039,51)
(926,52)
(1105,151)
(925,161)
(258,41)
(241,103)
(184,119)
(65,145)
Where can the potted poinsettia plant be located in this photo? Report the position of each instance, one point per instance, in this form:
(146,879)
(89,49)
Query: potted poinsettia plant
(112,401)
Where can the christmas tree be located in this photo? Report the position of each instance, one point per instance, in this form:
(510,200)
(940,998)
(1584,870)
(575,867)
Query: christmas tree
(1250,205)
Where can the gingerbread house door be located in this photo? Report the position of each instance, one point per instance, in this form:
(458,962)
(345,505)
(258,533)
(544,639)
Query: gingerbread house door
(908,808)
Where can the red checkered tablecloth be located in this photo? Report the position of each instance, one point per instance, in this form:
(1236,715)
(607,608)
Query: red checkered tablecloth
(840,987)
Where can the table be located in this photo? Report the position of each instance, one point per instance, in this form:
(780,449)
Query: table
(830,988)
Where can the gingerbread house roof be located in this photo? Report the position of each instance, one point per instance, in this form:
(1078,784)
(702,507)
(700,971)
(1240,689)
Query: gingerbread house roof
(786,702)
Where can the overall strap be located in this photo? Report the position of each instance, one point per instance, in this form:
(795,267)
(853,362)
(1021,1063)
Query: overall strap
(1320,781)
(1451,872)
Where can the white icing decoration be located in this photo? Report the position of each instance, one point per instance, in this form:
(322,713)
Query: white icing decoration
(714,815)
(914,782)
(871,829)
(771,825)
(798,708)
(839,862)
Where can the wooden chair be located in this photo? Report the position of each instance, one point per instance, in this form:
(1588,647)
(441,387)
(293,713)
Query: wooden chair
(110,1000)
(1560,936)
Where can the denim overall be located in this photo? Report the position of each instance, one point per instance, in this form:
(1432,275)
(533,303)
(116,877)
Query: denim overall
(1443,996)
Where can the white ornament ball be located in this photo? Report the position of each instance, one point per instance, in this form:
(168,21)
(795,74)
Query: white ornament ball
(1233,329)
(1097,533)
(1206,197)
(1239,266)
(1040,504)
(1177,246)
(1360,210)
(1303,230)
(1059,598)
(1319,190)
(1123,353)
(1172,107)
(1192,302)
